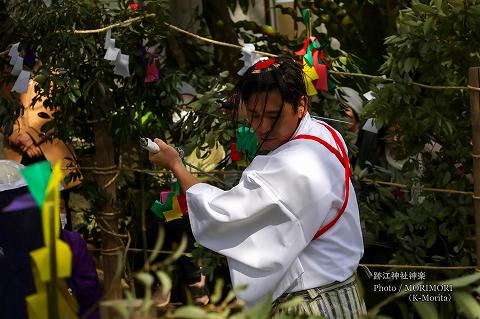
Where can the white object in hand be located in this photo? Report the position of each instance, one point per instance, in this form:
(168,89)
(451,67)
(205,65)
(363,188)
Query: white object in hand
(149,145)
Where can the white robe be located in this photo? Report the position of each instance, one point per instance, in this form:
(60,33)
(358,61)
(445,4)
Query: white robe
(265,224)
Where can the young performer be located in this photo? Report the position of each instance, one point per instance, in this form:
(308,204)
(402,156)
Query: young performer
(291,226)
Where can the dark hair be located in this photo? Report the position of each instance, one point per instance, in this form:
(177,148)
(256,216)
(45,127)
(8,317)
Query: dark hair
(282,74)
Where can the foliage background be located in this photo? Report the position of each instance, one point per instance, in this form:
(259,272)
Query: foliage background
(432,42)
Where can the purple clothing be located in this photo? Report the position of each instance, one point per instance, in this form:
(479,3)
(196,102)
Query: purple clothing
(20,233)
(84,281)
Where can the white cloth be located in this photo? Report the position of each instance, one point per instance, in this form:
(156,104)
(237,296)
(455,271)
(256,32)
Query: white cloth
(265,224)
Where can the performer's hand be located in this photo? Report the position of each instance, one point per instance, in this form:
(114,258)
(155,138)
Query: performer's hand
(27,145)
(167,157)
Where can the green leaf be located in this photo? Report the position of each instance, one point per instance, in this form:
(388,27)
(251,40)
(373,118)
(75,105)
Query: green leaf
(260,310)
(427,26)
(121,310)
(146,117)
(408,65)
(466,304)
(165,281)
(190,312)
(72,97)
(426,310)
(446,178)
(158,244)
(217,290)
(145,278)
(423,9)
(224,74)
(462,281)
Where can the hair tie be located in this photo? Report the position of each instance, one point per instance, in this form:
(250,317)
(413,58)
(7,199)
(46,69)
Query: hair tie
(265,65)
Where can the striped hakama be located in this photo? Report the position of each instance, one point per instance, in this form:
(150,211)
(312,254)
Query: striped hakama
(339,300)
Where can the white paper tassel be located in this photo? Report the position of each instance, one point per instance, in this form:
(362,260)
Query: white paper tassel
(249,57)
(17,68)
(112,54)
(121,65)
(13,53)
(21,84)
(109,42)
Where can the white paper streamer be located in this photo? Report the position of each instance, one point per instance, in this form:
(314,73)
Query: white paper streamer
(17,68)
(21,84)
(121,65)
(322,28)
(112,54)
(334,44)
(13,53)
(249,57)
(109,42)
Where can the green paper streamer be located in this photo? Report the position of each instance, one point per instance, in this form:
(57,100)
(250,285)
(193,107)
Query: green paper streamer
(159,208)
(175,188)
(305,16)
(246,141)
(37,176)
(308,56)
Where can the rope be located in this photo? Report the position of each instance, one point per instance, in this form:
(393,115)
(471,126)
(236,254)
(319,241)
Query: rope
(115,25)
(440,190)
(225,44)
(112,232)
(236,46)
(235,172)
(475,155)
(208,174)
(139,250)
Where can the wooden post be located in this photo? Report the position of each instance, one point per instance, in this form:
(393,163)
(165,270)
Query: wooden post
(474,80)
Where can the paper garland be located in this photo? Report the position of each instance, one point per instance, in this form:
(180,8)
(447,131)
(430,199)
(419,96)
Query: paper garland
(115,56)
(172,204)
(246,143)
(249,57)
(23,77)
(152,74)
(315,64)
(45,188)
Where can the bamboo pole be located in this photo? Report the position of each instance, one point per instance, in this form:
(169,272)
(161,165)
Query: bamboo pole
(473,80)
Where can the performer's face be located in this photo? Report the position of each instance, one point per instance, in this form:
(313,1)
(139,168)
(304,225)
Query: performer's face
(272,123)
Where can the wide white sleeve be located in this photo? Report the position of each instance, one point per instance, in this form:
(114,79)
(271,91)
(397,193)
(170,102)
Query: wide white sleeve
(259,236)
(261,225)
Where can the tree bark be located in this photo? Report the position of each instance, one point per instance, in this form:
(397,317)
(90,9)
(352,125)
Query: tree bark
(474,80)
(108,219)
(217,16)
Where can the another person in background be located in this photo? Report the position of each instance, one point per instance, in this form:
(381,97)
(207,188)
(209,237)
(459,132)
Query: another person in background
(21,233)
(352,105)
(27,144)
(364,132)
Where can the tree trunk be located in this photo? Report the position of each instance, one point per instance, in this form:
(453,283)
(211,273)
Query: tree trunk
(221,28)
(108,219)
(474,80)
